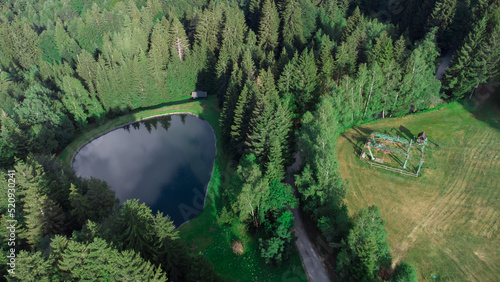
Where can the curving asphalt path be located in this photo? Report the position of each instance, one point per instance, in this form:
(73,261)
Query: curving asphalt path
(310,259)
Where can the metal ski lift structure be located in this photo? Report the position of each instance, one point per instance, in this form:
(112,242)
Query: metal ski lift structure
(392,146)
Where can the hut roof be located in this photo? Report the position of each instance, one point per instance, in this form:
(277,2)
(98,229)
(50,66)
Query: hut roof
(422,135)
(199,94)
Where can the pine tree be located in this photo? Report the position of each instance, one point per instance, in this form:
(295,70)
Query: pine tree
(231,99)
(279,145)
(180,43)
(352,24)
(383,50)
(42,215)
(159,53)
(12,140)
(255,12)
(259,136)
(442,17)
(87,69)
(101,199)
(366,248)
(32,267)
(347,56)
(135,229)
(400,50)
(7,48)
(97,260)
(67,46)
(25,43)
(48,48)
(165,228)
(89,37)
(79,102)
(80,205)
(239,128)
(327,65)
(305,81)
(291,25)
(419,88)
(234,32)
(268,26)
(209,26)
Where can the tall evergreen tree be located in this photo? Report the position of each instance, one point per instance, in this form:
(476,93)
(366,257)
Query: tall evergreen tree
(475,62)
(419,89)
(48,48)
(180,43)
(239,128)
(12,140)
(305,81)
(268,26)
(365,249)
(208,27)
(442,17)
(291,25)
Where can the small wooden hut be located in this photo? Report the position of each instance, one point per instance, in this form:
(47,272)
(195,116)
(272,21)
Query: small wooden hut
(421,137)
(199,94)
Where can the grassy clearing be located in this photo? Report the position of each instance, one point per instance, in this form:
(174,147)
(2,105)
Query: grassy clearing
(446,221)
(202,234)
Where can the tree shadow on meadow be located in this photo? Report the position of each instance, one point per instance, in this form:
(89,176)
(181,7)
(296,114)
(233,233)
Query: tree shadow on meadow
(485,104)
(357,138)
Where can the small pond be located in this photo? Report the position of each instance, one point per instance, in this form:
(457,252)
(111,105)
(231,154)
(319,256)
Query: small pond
(165,162)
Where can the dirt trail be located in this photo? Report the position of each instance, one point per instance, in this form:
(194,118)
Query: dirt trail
(310,259)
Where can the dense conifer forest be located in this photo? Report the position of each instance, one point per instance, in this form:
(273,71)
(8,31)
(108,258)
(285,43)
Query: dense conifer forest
(290,76)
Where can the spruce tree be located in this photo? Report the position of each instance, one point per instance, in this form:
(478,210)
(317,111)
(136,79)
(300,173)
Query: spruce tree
(305,81)
(31,267)
(159,53)
(12,140)
(97,260)
(208,27)
(365,249)
(229,104)
(419,89)
(239,128)
(268,26)
(352,24)
(327,65)
(48,48)
(291,25)
(135,229)
(179,40)
(442,17)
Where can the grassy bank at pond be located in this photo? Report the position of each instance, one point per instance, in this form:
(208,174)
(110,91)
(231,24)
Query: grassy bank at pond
(203,234)
(446,221)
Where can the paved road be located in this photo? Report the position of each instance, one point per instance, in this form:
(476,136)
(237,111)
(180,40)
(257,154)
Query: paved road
(310,258)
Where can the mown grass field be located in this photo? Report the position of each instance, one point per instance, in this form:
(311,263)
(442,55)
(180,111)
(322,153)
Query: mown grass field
(445,222)
(203,234)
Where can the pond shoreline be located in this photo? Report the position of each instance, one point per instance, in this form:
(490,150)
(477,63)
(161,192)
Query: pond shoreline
(197,108)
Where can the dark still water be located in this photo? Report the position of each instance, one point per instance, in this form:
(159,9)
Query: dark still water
(165,162)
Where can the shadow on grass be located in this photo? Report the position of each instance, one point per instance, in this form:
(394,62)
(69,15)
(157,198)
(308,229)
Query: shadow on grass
(406,132)
(485,103)
(358,138)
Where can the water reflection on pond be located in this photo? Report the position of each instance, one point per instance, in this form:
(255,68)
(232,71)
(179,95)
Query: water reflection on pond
(165,162)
